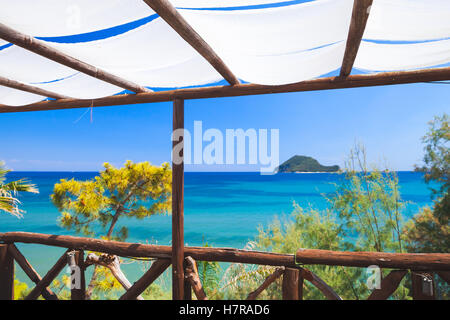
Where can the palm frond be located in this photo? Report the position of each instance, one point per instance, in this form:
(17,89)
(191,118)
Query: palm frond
(21,185)
(10,205)
(8,202)
(3,172)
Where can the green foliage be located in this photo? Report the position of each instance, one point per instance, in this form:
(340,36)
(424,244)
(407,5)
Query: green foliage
(104,285)
(319,230)
(209,274)
(308,229)
(8,192)
(241,279)
(437,153)
(429,230)
(137,190)
(366,210)
(369,205)
(305,164)
(21,290)
(61,287)
(156,292)
(425,233)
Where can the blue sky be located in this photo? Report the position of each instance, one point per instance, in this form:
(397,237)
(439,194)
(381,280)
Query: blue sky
(389,121)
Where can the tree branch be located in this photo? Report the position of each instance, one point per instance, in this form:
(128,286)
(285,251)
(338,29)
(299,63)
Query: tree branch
(111,262)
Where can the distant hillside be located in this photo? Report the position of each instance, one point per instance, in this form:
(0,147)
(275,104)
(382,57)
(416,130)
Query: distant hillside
(305,164)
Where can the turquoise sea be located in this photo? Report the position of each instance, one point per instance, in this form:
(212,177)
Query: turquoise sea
(223,209)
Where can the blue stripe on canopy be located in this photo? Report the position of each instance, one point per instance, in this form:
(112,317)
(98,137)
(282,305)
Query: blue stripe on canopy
(126,27)
(5,46)
(101,34)
(253,6)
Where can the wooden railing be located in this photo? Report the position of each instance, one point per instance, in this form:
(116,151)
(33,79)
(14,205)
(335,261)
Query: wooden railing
(289,266)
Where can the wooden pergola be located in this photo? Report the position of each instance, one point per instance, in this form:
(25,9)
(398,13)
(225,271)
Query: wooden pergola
(143,95)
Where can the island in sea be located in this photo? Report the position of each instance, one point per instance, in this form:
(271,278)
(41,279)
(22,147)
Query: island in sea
(305,164)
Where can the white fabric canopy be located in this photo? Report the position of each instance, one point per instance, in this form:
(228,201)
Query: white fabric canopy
(52,18)
(261,41)
(425,24)
(408,20)
(389,57)
(12,97)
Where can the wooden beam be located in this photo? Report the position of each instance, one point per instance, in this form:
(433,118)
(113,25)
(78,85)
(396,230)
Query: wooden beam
(423,261)
(352,81)
(177,205)
(168,12)
(388,285)
(48,278)
(360,14)
(32,89)
(125,249)
(194,279)
(416,261)
(42,48)
(29,271)
(315,280)
(156,269)
(290,284)
(267,282)
(6,273)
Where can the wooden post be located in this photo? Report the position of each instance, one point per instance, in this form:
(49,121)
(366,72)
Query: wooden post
(187,284)
(177,205)
(78,281)
(187,290)
(6,273)
(290,284)
(301,280)
(423,286)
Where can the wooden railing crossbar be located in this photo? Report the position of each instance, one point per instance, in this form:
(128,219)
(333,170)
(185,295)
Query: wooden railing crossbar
(290,267)
(48,278)
(157,268)
(388,285)
(315,280)
(267,282)
(414,261)
(30,272)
